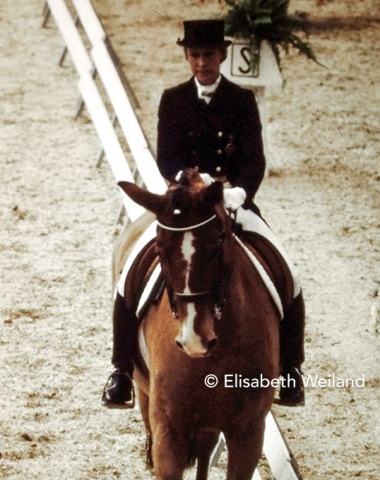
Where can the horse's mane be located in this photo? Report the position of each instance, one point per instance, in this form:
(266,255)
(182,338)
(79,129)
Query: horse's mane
(189,176)
(190,192)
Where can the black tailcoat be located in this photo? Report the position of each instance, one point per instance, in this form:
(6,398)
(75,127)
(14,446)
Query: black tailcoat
(222,138)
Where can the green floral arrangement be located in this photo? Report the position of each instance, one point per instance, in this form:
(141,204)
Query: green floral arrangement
(259,20)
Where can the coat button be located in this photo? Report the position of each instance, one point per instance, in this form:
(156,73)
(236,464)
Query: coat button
(219,152)
(218,169)
(230,149)
(220,134)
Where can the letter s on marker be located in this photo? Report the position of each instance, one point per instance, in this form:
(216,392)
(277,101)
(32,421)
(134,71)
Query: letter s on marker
(245,53)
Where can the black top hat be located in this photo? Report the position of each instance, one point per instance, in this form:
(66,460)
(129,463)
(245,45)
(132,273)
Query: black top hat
(204,33)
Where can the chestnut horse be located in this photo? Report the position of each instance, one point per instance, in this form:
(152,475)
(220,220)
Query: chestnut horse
(209,338)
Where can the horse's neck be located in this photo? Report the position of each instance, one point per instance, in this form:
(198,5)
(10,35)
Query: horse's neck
(246,288)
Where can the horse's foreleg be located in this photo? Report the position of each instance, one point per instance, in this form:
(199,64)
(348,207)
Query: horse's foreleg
(144,407)
(205,442)
(244,452)
(170,452)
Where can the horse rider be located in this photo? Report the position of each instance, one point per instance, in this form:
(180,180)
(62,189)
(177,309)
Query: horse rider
(213,124)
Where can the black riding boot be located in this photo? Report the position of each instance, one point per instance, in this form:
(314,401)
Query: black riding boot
(292,329)
(118,391)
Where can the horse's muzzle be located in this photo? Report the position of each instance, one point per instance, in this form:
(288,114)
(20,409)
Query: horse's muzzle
(202,349)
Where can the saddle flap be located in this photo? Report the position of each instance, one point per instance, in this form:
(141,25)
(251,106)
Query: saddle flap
(273,264)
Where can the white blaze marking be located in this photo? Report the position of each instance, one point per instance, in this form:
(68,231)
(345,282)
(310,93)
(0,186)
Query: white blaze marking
(187,251)
(189,339)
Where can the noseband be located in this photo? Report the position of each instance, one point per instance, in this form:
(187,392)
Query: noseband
(215,294)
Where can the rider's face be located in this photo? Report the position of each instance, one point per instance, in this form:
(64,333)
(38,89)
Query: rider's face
(205,63)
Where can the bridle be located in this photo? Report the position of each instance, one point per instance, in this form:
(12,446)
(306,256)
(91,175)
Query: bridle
(216,294)
(185,229)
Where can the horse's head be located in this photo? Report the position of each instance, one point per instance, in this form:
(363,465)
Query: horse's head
(191,237)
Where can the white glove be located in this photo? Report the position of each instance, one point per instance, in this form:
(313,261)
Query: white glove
(177,178)
(234,197)
(207,179)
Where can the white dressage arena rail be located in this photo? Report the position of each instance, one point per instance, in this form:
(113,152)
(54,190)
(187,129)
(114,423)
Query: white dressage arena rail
(99,61)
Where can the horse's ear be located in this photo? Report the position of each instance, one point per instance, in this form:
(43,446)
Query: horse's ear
(213,194)
(151,201)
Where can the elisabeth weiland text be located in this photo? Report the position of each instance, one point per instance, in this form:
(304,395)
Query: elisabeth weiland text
(236,380)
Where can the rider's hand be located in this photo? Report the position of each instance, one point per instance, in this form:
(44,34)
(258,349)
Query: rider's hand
(234,198)
(207,179)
